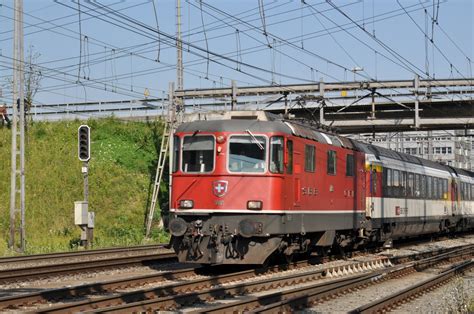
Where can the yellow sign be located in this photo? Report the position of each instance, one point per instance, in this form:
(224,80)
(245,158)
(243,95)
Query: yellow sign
(343,93)
(146,92)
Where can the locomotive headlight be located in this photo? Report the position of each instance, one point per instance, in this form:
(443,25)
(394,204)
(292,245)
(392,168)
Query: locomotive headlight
(186,204)
(254,205)
(220,139)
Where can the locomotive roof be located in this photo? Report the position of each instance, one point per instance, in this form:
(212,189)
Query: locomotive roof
(309,132)
(237,125)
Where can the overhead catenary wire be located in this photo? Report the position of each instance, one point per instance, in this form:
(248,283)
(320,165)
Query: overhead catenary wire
(205,38)
(158,28)
(432,41)
(204,58)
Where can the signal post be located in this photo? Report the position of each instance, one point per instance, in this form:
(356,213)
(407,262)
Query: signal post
(82,217)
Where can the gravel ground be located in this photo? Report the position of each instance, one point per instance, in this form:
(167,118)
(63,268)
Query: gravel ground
(428,246)
(451,298)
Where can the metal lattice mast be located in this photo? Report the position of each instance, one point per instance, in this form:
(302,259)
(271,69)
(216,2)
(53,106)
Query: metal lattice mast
(166,146)
(17,193)
(179,47)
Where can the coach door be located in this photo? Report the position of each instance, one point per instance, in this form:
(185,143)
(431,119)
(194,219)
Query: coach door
(374,182)
(360,190)
(455,195)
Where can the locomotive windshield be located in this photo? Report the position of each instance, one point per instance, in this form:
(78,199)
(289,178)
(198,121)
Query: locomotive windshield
(247,153)
(198,153)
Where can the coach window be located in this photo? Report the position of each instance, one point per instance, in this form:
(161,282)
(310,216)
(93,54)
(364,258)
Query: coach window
(417,185)
(396,183)
(289,151)
(387,182)
(435,188)
(350,165)
(423,186)
(441,188)
(198,153)
(309,158)
(176,142)
(247,153)
(403,184)
(410,184)
(331,162)
(463,191)
(429,182)
(276,154)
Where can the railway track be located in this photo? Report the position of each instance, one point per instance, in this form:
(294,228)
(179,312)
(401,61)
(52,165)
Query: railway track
(63,267)
(67,255)
(394,300)
(191,287)
(174,296)
(310,295)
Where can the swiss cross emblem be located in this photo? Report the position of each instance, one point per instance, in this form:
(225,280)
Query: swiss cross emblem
(219,188)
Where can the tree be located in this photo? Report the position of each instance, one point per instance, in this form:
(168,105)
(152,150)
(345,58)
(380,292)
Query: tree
(33,77)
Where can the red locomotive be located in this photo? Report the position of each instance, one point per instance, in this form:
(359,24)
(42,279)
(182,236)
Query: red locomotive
(253,185)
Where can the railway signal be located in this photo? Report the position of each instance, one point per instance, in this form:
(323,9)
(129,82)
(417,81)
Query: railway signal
(82,217)
(84,143)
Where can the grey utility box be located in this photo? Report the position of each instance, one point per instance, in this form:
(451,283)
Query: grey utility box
(80,213)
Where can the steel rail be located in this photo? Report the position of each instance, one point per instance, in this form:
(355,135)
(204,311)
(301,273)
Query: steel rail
(299,298)
(392,301)
(176,295)
(172,303)
(50,295)
(28,273)
(309,295)
(49,256)
(174,290)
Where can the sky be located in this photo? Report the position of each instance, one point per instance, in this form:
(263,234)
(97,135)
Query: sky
(113,50)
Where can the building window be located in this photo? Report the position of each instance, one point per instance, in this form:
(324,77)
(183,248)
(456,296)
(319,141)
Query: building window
(350,165)
(309,158)
(331,162)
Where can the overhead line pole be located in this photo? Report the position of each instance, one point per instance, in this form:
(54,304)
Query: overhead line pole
(179,47)
(17,193)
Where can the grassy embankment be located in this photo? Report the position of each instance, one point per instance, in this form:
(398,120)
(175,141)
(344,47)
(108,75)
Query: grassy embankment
(124,156)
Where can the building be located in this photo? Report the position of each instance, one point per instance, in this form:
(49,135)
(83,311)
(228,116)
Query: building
(453,148)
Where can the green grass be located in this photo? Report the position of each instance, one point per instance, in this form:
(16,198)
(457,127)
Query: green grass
(122,167)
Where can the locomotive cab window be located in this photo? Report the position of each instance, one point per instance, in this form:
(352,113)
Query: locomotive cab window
(276,154)
(176,153)
(247,153)
(198,153)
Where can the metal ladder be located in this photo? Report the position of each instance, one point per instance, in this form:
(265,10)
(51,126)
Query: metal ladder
(165,141)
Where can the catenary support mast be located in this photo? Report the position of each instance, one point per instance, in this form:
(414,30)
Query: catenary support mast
(17,193)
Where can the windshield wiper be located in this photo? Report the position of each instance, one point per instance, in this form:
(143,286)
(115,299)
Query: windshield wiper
(255,139)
